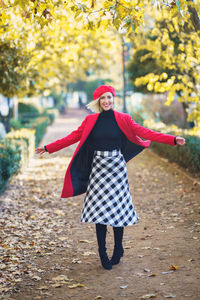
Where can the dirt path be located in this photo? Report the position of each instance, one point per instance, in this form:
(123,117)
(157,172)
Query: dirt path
(46,253)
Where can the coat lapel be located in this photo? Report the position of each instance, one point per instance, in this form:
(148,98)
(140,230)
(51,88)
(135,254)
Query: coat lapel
(88,128)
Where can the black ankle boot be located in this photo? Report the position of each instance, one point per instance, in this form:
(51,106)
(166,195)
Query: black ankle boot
(101,239)
(118,249)
(117,254)
(106,263)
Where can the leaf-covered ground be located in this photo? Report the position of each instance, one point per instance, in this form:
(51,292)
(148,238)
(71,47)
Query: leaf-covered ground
(46,253)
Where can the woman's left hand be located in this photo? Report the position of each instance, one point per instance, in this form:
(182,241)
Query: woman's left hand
(180,140)
(40,150)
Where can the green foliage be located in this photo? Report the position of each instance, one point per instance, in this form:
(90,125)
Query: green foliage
(27,108)
(187,156)
(39,124)
(27,112)
(136,68)
(52,113)
(15,124)
(19,145)
(9,162)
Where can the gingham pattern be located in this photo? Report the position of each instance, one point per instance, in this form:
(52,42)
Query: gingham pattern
(108,200)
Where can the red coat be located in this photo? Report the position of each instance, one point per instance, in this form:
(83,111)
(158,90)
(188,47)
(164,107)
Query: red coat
(78,171)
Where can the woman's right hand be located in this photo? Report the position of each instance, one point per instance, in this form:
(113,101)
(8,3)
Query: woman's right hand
(40,150)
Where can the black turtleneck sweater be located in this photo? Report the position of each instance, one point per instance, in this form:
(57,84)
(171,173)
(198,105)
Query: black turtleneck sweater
(106,134)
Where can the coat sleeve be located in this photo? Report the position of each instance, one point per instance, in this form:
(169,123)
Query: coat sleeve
(70,139)
(152,135)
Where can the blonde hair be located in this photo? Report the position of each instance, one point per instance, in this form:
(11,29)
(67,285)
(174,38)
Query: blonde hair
(95,105)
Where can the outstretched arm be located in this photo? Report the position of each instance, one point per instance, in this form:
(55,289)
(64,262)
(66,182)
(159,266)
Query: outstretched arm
(155,135)
(70,139)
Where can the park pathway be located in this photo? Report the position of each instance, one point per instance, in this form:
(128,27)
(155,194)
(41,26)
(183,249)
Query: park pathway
(46,253)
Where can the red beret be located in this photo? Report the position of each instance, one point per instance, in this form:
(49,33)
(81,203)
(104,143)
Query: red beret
(103,89)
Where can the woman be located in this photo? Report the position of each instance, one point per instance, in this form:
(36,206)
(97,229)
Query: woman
(108,140)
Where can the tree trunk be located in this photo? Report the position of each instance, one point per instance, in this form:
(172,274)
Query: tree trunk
(187,125)
(194,18)
(124,78)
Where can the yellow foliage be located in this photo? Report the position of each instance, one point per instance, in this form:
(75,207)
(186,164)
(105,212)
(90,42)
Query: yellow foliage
(150,123)
(57,42)
(64,39)
(175,48)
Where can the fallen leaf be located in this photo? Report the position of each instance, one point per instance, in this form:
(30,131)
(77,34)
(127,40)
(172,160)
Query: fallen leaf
(123,286)
(17,279)
(76,261)
(61,278)
(62,238)
(170,296)
(87,253)
(35,277)
(40,270)
(76,285)
(153,275)
(191,259)
(146,248)
(97,297)
(148,296)
(59,212)
(85,241)
(173,267)
(147,270)
(44,287)
(2,266)
(57,285)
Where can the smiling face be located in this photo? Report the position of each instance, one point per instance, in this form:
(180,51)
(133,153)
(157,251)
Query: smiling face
(106,101)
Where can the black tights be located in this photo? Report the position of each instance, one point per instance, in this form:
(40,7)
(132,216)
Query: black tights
(118,233)
(102,226)
(118,252)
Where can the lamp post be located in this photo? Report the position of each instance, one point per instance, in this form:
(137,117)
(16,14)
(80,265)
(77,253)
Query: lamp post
(5,111)
(124,76)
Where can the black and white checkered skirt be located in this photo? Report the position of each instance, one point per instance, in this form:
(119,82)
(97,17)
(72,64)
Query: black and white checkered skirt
(108,200)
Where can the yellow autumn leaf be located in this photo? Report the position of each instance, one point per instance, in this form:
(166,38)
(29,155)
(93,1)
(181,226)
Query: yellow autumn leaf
(60,278)
(59,212)
(76,285)
(153,275)
(173,267)
(57,285)
(85,241)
